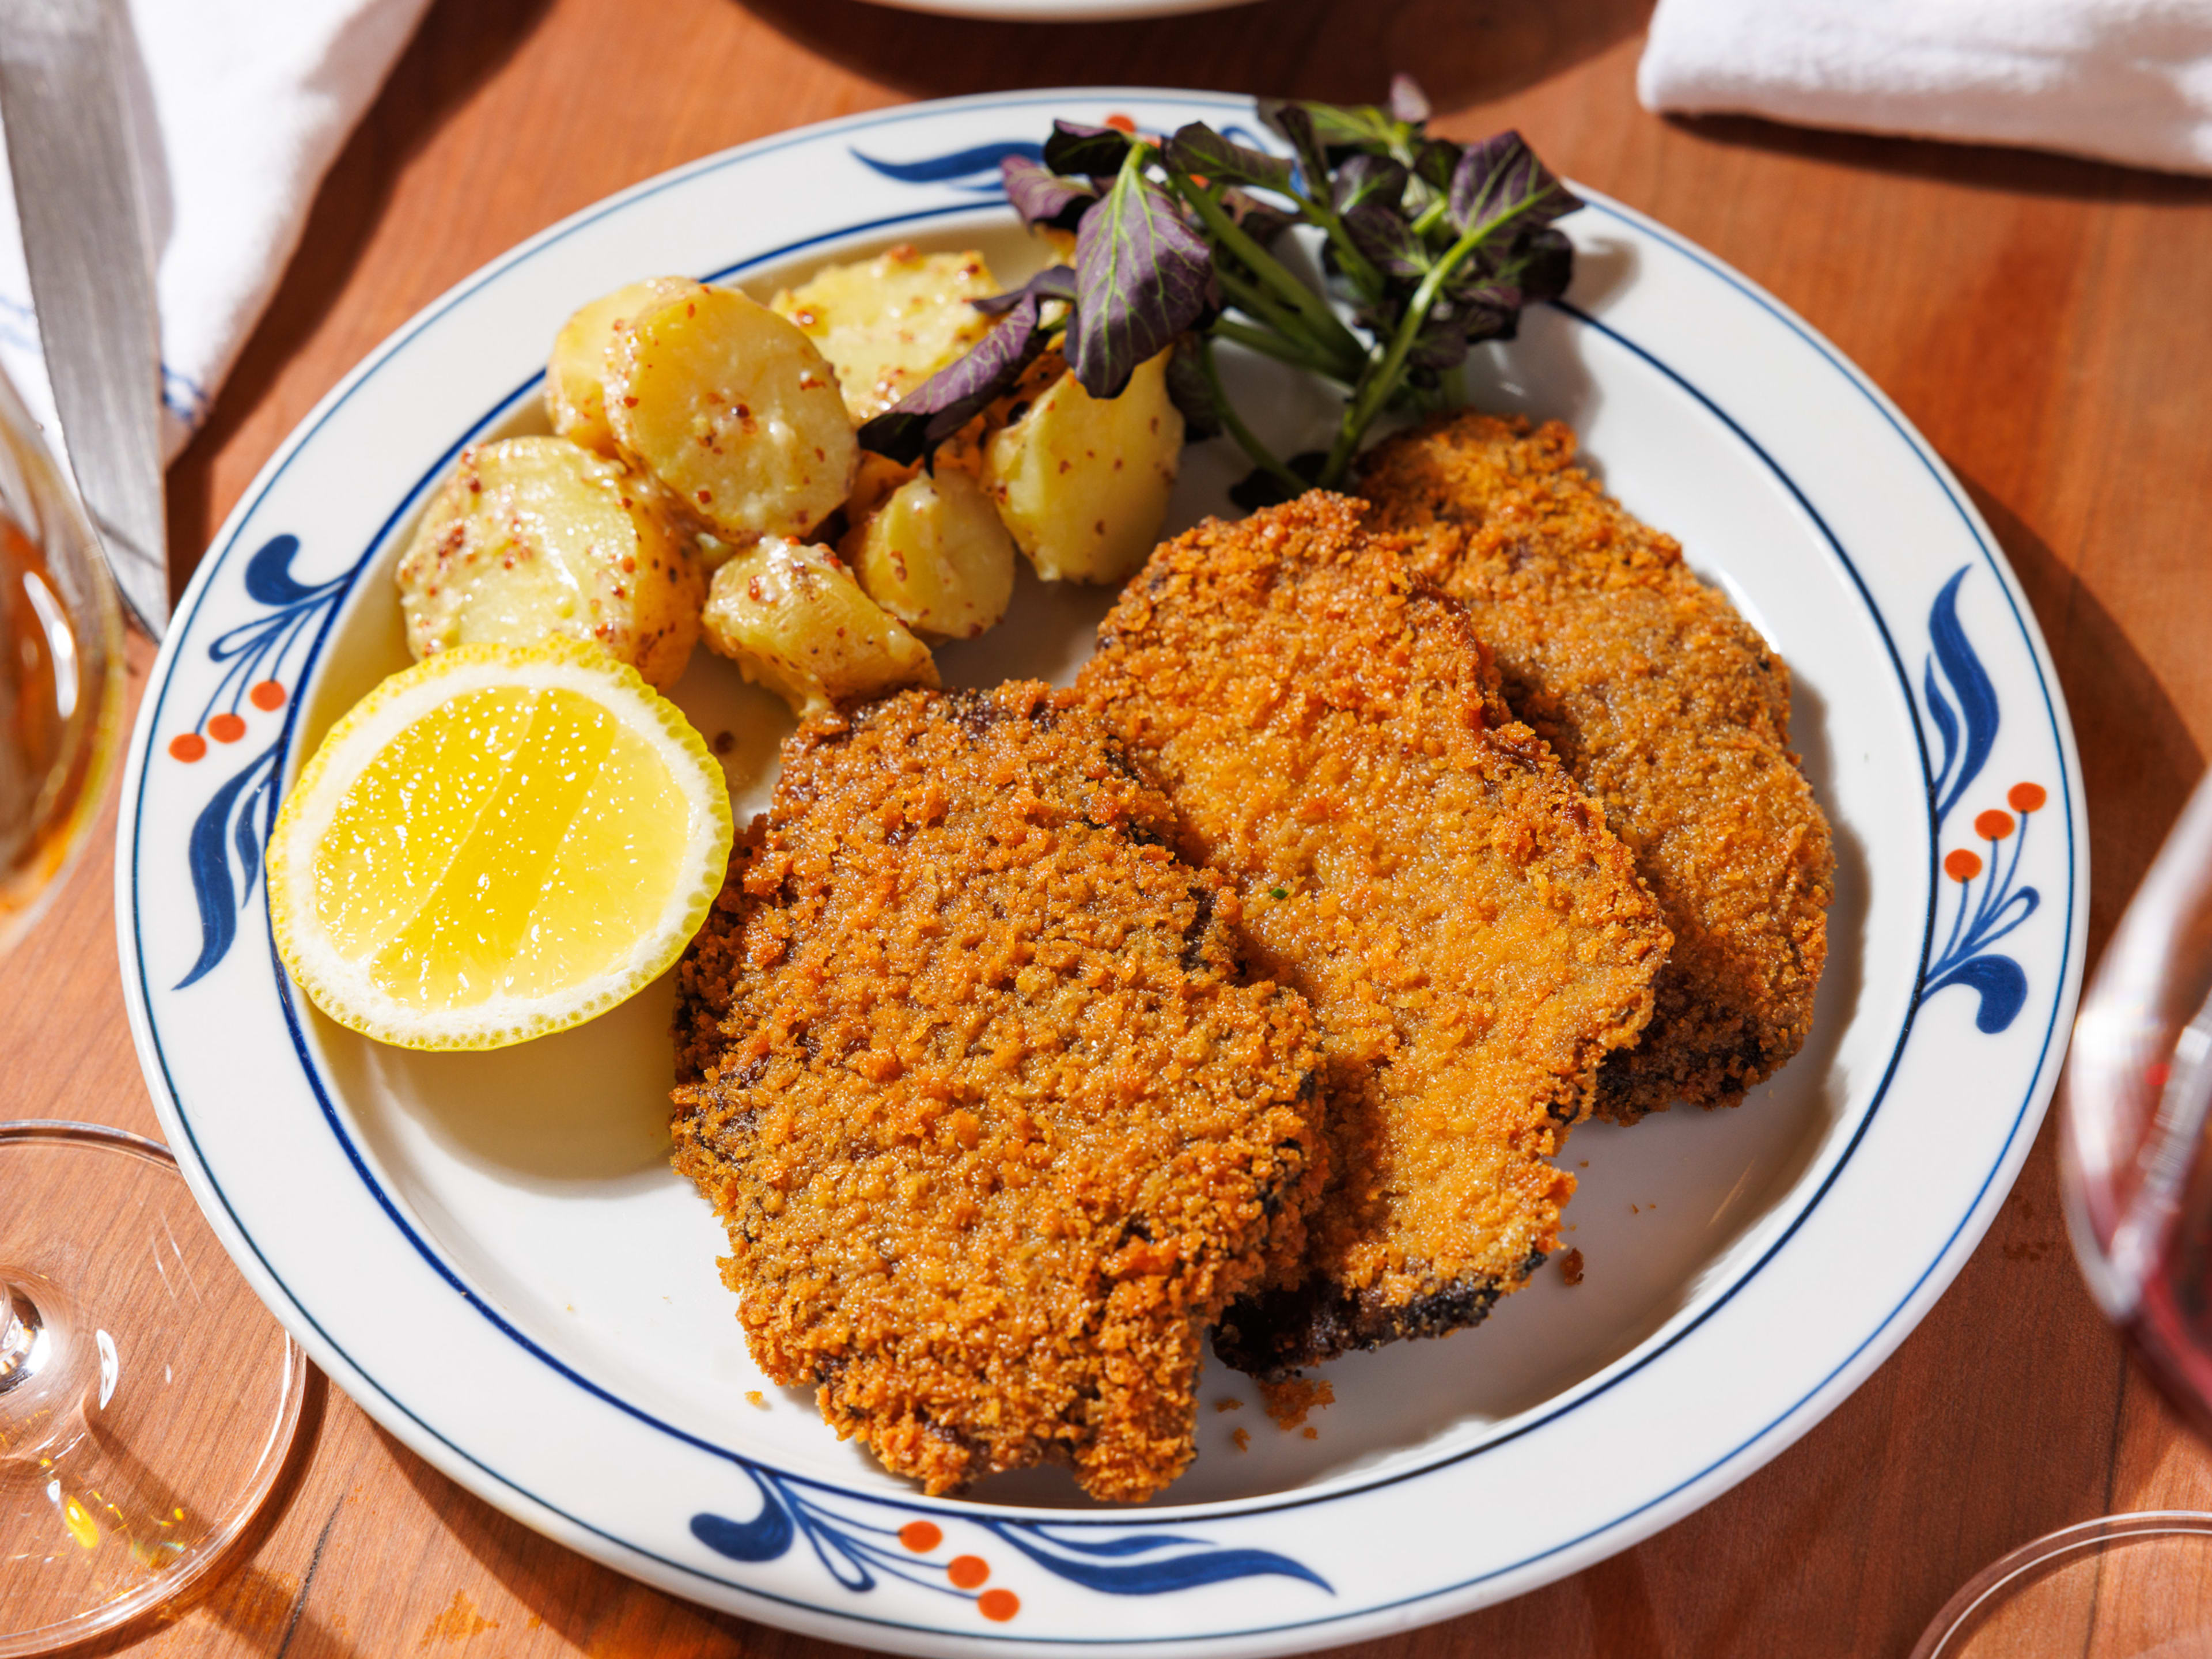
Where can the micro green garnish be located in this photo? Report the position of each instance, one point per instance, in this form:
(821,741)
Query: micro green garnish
(1427,247)
(1279,892)
(957,394)
(1142,277)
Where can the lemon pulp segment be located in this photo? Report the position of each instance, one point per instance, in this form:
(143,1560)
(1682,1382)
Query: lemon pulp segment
(513,841)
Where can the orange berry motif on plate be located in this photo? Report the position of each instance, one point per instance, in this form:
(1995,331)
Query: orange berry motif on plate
(1963,712)
(842,1531)
(2002,907)
(253,659)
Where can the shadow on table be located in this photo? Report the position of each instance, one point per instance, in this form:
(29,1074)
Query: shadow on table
(1987,167)
(459,47)
(2138,760)
(267,1612)
(1464,51)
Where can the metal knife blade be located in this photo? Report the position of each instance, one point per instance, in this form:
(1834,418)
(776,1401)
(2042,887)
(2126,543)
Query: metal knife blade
(89,250)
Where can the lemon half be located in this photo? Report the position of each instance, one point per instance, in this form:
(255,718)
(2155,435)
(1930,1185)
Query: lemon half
(499,842)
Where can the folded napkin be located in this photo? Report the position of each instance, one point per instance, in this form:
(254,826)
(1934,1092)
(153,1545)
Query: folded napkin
(2123,79)
(249,101)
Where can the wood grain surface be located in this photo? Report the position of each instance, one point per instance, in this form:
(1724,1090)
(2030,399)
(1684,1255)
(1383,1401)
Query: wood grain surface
(2041,319)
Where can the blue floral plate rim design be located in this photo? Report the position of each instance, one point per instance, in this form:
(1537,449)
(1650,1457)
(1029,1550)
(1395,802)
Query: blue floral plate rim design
(2065,780)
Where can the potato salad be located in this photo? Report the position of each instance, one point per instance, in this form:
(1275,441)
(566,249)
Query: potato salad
(703,478)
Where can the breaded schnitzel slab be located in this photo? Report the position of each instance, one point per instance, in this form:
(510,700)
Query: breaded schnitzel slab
(1414,861)
(993,1121)
(1667,706)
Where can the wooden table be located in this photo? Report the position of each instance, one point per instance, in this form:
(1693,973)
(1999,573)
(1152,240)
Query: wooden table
(2040,318)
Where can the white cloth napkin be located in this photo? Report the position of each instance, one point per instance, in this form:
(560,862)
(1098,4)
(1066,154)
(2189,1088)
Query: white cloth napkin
(249,101)
(2123,79)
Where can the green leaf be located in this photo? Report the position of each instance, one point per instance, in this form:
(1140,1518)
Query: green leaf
(1348,129)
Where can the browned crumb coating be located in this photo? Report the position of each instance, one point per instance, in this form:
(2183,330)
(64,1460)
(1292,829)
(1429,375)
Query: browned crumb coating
(976,1084)
(1291,1399)
(1666,706)
(1414,861)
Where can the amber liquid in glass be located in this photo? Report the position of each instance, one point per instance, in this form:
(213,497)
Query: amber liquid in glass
(60,690)
(38,695)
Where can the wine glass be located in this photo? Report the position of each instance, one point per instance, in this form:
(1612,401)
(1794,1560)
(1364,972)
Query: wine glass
(2135,1132)
(147,1400)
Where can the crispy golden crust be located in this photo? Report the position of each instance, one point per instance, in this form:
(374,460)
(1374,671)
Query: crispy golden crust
(1413,859)
(1666,706)
(994,1124)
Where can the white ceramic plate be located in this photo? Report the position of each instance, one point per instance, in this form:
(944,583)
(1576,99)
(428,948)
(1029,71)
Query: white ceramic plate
(490,1254)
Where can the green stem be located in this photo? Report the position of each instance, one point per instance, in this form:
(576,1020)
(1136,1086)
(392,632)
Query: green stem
(1255,300)
(1269,344)
(1327,328)
(1354,263)
(1373,394)
(1261,456)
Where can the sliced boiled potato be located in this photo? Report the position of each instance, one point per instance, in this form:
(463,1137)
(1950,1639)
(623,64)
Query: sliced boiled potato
(734,413)
(792,619)
(873,484)
(1083,482)
(533,536)
(713,552)
(890,323)
(936,557)
(576,372)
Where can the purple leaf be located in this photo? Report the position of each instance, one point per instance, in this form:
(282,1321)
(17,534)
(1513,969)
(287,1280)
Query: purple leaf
(1408,102)
(961,391)
(1440,345)
(1142,277)
(1095,152)
(1260,488)
(1255,217)
(1200,149)
(1547,265)
(1436,160)
(1368,180)
(1382,234)
(1054,282)
(1501,176)
(1453,324)
(1192,393)
(1296,123)
(1042,197)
